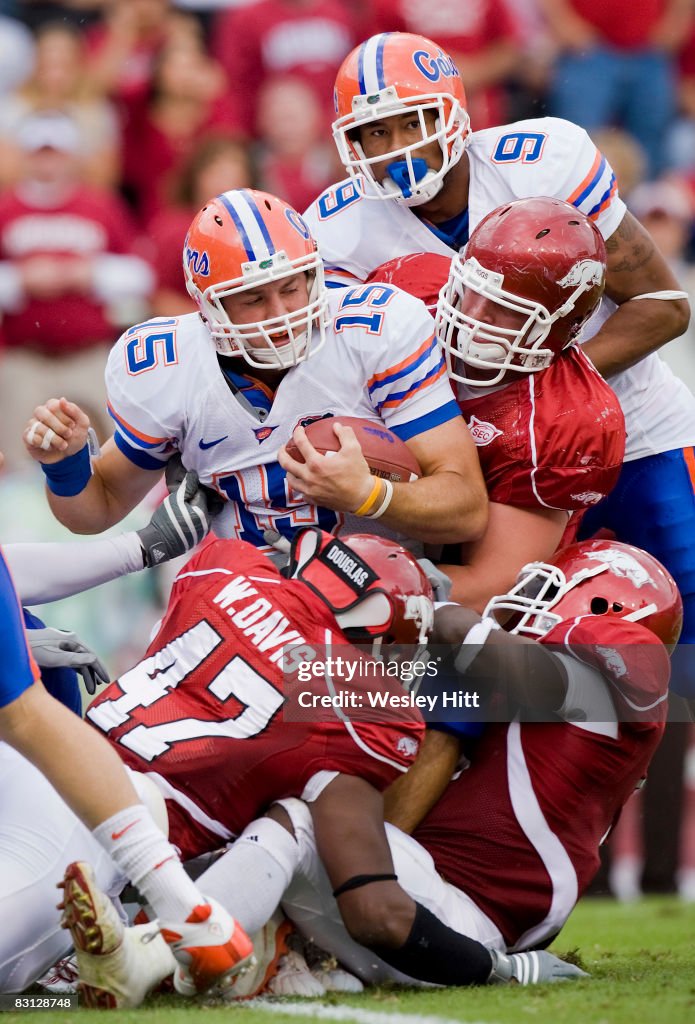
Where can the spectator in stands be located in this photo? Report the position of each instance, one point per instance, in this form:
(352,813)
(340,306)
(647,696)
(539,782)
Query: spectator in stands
(647,851)
(308,38)
(216,165)
(188,97)
(681,138)
(60,82)
(296,160)
(616,65)
(480,37)
(625,155)
(16,49)
(124,46)
(68,263)
(666,210)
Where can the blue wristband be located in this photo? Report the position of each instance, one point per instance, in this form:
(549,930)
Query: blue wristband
(70,476)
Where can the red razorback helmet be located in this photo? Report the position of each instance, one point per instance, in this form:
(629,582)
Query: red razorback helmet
(532,273)
(245,239)
(391,74)
(595,577)
(374,587)
(422,274)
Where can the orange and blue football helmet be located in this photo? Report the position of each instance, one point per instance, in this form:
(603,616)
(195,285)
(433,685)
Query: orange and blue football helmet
(242,240)
(391,74)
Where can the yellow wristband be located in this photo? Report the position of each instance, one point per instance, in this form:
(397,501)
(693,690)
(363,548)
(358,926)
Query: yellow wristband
(371,498)
(386,501)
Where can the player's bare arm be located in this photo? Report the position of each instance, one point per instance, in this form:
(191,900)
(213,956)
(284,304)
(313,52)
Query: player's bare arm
(58,431)
(115,488)
(527,673)
(639,326)
(490,565)
(349,808)
(448,504)
(412,795)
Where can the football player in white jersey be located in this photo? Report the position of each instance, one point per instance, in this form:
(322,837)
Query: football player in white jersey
(420,180)
(270,350)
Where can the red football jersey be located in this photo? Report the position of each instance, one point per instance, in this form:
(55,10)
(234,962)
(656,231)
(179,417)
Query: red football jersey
(519,831)
(202,714)
(88,224)
(554,438)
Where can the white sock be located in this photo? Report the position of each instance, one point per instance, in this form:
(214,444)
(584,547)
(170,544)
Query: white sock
(249,880)
(141,851)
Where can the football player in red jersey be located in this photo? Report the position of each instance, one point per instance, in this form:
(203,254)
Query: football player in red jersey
(214,675)
(48,750)
(200,718)
(503,855)
(549,430)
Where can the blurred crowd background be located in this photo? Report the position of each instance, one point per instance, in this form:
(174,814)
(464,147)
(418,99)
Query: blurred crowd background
(119,118)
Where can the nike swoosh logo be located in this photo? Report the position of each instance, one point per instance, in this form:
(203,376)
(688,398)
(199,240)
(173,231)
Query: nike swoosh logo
(117,835)
(204,445)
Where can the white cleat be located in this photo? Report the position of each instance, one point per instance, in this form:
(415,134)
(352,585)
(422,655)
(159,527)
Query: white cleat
(293,978)
(210,948)
(117,966)
(62,977)
(328,972)
(335,979)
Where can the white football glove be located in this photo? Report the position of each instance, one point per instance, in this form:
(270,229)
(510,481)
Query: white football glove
(439,581)
(60,648)
(280,555)
(180,522)
(533,968)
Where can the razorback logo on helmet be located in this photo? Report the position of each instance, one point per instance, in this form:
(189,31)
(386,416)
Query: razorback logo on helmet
(613,661)
(586,272)
(622,564)
(482,433)
(434,68)
(199,262)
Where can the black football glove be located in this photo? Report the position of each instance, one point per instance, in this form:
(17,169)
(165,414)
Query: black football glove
(180,522)
(174,474)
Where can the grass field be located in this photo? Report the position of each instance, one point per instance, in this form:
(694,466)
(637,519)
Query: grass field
(641,958)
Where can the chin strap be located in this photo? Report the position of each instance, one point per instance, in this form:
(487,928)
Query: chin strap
(665,295)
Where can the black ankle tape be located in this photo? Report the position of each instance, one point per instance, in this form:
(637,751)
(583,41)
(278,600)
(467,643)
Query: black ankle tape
(357,881)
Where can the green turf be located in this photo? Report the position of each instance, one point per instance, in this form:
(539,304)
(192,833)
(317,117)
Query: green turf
(641,957)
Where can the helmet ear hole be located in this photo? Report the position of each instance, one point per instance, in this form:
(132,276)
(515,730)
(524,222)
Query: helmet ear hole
(599,606)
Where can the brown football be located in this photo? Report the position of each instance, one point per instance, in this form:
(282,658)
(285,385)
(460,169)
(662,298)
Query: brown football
(386,454)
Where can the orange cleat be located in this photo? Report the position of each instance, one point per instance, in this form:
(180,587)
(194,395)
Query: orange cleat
(210,947)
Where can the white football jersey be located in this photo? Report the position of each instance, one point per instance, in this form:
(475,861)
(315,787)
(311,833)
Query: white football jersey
(167,393)
(536,157)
